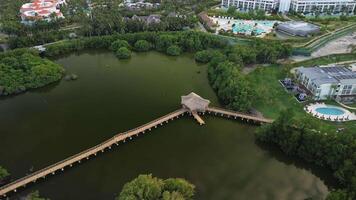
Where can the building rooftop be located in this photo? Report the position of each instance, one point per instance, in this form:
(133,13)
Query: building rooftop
(325,75)
(195,102)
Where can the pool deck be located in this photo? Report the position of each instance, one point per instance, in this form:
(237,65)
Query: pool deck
(226,24)
(347,116)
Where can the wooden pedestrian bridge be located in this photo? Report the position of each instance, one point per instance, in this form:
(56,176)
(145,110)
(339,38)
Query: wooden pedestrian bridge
(192,104)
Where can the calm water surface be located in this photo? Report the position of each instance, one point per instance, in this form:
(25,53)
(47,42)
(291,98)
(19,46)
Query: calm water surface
(221,158)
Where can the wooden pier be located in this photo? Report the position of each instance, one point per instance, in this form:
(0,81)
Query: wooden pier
(122,137)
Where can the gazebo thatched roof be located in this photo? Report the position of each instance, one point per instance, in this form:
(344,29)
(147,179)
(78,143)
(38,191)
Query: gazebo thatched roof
(195,102)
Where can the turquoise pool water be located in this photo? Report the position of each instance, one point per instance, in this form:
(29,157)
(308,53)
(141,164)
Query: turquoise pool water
(241,26)
(330,111)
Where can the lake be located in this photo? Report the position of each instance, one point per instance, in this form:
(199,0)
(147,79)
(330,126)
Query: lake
(221,158)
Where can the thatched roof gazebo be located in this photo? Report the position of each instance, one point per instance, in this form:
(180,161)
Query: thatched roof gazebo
(195,103)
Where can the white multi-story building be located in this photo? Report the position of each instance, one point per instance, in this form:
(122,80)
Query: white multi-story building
(267,5)
(337,82)
(302,6)
(284,6)
(322,6)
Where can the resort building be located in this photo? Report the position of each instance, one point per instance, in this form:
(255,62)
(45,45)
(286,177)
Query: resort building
(41,10)
(337,82)
(301,6)
(284,6)
(322,6)
(267,5)
(298,28)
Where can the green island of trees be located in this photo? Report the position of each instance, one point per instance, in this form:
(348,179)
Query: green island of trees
(151,188)
(24,69)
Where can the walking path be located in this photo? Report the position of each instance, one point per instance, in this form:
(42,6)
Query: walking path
(122,137)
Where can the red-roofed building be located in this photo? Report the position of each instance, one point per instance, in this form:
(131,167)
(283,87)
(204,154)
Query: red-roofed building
(40,10)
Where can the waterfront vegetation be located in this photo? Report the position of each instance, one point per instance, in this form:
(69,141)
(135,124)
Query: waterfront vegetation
(3,173)
(295,132)
(299,134)
(151,188)
(21,70)
(232,90)
(35,196)
(302,138)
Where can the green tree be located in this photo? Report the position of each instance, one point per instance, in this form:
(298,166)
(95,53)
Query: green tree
(34,196)
(204,56)
(3,172)
(174,50)
(231,11)
(151,188)
(118,44)
(337,195)
(123,53)
(142,45)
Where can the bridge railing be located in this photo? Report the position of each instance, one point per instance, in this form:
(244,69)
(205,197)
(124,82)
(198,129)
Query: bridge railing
(241,114)
(52,168)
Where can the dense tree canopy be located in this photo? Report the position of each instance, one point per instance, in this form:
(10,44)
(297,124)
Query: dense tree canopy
(152,188)
(299,137)
(24,70)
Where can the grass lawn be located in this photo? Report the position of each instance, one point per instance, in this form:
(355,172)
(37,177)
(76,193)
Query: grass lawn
(271,98)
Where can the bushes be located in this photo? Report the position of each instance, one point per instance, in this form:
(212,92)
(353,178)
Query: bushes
(142,46)
(231,86)
(152,188)
(174,50)
(115,46)
(123,53)
(203,56)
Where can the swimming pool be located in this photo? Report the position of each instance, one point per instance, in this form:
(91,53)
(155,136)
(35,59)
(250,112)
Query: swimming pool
(328,110)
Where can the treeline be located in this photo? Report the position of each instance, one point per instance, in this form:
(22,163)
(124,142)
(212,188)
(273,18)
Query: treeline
(188,41)
(225,76)
(301,138)
(225,61)
(23,69)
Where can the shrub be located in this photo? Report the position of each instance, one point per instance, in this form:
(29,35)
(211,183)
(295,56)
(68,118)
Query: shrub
(115,46)
(173,50)
(142,45)
(123,53)
(203,56)
(151,188)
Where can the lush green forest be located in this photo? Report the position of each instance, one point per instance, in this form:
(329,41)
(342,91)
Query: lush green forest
(301,137)
(151,188)
(22,70)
